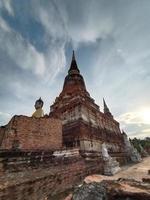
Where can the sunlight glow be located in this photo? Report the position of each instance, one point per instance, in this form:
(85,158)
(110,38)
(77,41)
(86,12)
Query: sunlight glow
(145,115)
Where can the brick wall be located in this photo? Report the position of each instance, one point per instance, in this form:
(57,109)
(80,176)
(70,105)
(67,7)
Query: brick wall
(42,183)
(2,132)
(30,133)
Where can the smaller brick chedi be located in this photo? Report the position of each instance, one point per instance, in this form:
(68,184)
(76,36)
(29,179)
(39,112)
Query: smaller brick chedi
(84,125)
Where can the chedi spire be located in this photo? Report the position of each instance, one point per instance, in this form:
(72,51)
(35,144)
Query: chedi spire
(73,66)
(74,80)
(106,109)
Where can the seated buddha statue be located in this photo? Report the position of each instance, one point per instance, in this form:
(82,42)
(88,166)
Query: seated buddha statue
(38,106)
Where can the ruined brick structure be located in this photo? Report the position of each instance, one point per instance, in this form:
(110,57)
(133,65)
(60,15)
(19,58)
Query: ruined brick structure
(40,175)
(43,156)
(84,125)
(28,133)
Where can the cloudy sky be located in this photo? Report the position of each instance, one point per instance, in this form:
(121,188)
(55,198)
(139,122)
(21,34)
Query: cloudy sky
(112,44)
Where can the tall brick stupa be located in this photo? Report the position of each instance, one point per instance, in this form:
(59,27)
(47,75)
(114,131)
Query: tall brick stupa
(84,125)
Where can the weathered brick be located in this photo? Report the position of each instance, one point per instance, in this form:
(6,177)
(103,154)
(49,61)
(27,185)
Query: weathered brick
(32,133)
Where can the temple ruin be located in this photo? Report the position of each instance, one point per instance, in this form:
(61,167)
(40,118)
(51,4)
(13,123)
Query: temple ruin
(60,148)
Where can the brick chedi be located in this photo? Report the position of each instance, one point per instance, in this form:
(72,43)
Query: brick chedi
(84,125)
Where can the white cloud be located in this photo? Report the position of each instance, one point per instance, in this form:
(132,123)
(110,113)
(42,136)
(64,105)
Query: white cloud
(146,130)
(4,117)
(27,57)
(55,61)
(138,135)
(45,64)
(136,123)
(3,25)
(69,22)
(51,21)
(7,5)
(90,30)
(20,50)
(136,117)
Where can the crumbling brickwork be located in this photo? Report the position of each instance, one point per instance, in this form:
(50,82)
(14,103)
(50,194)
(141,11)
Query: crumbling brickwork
(28,133)
(38,180)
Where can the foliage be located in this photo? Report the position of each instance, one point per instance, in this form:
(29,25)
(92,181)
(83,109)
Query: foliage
(138,143)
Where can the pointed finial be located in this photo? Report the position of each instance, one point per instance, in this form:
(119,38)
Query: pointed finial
(106,109)
(104,103)
(73,55)
(73,67)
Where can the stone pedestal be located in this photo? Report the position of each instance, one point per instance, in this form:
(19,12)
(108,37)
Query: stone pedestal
(132,152)
(111,167)
(134,155)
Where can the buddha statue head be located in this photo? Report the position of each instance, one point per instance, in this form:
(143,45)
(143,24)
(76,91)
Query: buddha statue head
(39,103)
